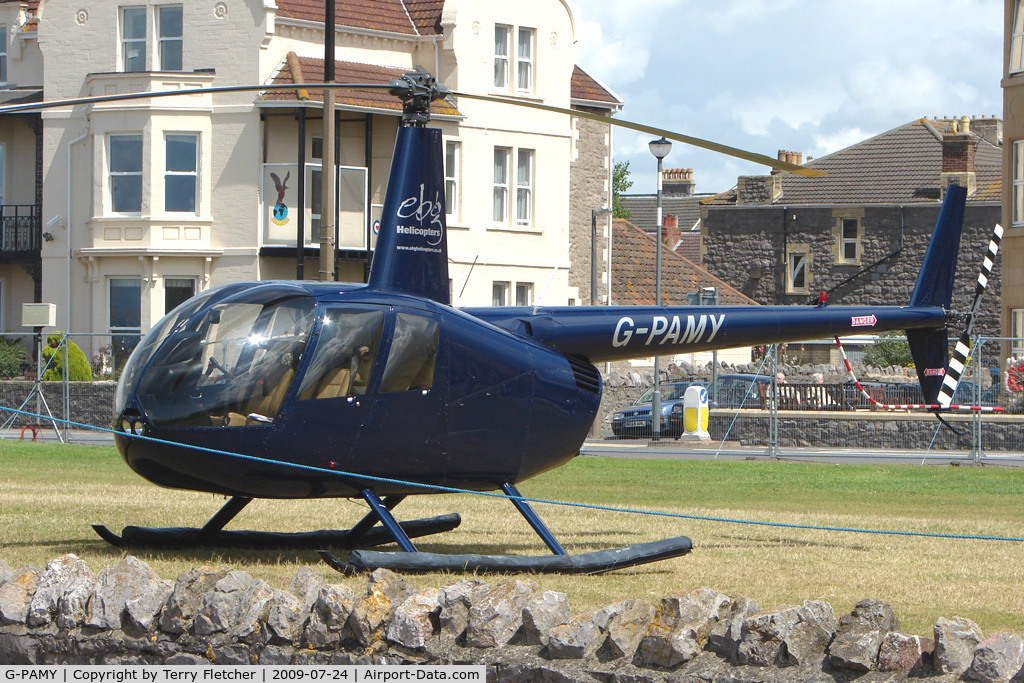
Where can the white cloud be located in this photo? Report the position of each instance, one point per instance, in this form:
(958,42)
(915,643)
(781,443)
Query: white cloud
(798,74)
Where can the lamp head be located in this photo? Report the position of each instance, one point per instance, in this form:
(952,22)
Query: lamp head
(660,148)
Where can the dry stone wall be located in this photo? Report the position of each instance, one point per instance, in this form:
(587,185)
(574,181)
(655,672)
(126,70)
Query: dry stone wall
(126,614)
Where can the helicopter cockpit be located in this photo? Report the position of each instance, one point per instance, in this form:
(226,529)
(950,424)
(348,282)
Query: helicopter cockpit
(226,359)
(229,357)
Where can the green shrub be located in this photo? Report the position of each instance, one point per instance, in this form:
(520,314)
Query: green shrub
(13,357)
(891,351)
(78,365)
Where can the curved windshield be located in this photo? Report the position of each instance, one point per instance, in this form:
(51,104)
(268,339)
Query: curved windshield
(230,365)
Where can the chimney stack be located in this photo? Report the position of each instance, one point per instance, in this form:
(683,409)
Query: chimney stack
(790,158)
(678,182)
(958,145)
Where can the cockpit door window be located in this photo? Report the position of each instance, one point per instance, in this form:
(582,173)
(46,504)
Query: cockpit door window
(345,353)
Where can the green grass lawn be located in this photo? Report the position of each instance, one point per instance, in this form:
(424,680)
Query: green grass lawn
(51,493)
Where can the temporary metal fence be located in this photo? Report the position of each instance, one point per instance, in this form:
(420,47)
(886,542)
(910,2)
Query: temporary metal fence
(36,383)
(848,423)
(831,418)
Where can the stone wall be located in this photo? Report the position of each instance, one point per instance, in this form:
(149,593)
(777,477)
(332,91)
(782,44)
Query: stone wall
(92,403)
(589,189)
(127,615)
(745,247)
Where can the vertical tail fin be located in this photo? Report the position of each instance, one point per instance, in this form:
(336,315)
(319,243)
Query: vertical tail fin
(412,247)
(934,287)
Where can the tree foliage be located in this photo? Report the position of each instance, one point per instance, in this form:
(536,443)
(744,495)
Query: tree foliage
(893,350)
(79,369)
(13,357)
(620,183)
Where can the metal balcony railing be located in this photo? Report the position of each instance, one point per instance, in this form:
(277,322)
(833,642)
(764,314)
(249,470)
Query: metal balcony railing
(20,229)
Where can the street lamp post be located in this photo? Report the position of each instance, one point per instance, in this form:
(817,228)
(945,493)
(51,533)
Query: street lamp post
(660,149)
(602,213)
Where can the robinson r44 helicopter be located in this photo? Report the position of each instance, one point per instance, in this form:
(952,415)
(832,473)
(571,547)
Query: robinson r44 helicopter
(383,390)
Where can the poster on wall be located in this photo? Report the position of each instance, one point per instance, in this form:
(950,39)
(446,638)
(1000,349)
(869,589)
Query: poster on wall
(280,202)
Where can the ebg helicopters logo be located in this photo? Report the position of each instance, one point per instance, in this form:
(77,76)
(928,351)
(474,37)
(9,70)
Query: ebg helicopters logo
(429,216)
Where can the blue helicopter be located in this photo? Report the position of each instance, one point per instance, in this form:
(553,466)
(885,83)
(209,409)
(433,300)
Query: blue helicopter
(383,390)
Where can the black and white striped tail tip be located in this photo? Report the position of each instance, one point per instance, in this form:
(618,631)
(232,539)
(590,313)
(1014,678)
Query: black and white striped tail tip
(962,350)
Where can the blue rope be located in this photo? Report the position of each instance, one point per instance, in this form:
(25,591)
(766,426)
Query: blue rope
(586,506)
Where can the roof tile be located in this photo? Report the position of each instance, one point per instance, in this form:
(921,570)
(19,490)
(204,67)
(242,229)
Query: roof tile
(311,70)
(410,17)
(899,166)
(633,272)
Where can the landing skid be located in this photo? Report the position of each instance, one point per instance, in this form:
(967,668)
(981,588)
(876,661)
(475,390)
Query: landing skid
(363,535)
(412,561)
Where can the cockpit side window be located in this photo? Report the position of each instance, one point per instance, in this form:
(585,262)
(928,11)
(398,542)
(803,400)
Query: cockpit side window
(413,354)
(344,355)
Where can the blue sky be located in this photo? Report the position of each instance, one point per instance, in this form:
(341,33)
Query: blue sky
(810,76)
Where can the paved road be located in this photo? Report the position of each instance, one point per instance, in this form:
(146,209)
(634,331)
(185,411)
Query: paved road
(670,449)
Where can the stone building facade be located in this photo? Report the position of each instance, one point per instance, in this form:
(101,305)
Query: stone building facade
(860,233)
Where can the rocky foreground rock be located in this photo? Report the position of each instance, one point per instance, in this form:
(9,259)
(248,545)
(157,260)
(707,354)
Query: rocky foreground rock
(67,614)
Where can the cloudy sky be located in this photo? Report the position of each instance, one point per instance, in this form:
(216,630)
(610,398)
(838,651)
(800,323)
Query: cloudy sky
(811,76)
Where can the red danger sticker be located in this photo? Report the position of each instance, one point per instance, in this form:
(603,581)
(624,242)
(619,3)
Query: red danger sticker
(863,321)
(934,372)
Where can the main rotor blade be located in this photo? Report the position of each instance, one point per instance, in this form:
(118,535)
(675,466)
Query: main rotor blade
(678,137)
(96,99)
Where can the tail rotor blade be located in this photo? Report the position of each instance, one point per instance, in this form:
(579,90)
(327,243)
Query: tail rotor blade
(962,351)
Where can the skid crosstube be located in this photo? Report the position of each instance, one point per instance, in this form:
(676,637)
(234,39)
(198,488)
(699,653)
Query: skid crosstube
(364,534)
(559,562)
(587,563)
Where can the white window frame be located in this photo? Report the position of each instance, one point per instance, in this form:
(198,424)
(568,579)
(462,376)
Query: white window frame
(163,41)
(524,294)
(1017,331)
(524,62)
(3,172)
(1016,61)
(127,44)
(194,173)
(845,241)
(524,186)
(452,173)
(1017,197)
(798,260)
(121,329)
(3,54)
(195,287)
(152,43)
(500,290)
(112,174)
(515,61)
(501,179)
(502,56)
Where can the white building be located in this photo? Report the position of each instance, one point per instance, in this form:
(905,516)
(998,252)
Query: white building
(141,203)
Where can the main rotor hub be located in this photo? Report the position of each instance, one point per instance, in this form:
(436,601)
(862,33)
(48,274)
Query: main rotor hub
(417,89)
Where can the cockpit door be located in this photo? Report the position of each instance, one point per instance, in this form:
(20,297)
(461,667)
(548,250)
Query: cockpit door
(332,403)
(404,436)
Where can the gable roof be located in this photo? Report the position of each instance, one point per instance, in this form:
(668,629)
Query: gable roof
(899,166)
(587,91)
(633,272)
(409,17)
(301,70)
